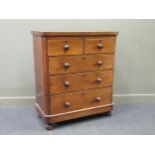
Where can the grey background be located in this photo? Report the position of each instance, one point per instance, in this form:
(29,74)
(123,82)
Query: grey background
(135,57)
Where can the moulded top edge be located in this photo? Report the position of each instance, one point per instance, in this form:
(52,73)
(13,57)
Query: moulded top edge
(50,34)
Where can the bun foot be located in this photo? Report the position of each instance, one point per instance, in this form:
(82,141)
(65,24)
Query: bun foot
(49,127)
(39,116)
(108,113)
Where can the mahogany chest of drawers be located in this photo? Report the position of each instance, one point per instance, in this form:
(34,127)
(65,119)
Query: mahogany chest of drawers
(73,74)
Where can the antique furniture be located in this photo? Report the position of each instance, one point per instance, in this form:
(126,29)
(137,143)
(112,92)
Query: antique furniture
(73,74)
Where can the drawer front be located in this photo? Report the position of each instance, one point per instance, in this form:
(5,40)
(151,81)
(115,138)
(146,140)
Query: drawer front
(65,46)
(81,81)
(73,64)
(99,45)
(80,100)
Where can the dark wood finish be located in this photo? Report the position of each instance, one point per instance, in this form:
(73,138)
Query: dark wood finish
(80,81)
(74,64)
(73,74)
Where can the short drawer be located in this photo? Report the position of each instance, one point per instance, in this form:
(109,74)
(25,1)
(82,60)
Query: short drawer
(73,64)
(80,81)
(80,100)
(65,46)
(99,45)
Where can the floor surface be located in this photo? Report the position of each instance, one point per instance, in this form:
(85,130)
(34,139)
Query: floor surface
(126,119)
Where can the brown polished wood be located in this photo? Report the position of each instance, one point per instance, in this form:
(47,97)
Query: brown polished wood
(65,46)
(73,34)
(75,64)
(41,73)
(80,81)
(99,45)
(73,74)
(80,100)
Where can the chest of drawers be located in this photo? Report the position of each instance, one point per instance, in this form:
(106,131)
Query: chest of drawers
(73,74)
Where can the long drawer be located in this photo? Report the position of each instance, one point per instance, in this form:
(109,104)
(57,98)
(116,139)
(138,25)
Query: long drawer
(80,100)
(73,64)
(80,81)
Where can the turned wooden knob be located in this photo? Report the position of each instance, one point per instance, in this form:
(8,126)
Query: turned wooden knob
(98,80)
(66,65)
(98,99)
(67,104)
(100,46)
(66,83)
(99,62)
(66,47)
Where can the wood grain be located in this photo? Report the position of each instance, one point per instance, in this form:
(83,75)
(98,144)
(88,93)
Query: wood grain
(56,46)
(80,100)
(80,81)
(74,114)
(73,73)
(80,63)
(73,34)
(39,76)
(91,45)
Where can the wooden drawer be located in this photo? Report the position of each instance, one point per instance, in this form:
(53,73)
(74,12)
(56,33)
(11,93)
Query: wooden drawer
(80,81)
(99,45)
(80,100)
(65,46)
(73,64)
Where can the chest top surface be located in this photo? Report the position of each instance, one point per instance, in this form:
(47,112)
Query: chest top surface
(48,34)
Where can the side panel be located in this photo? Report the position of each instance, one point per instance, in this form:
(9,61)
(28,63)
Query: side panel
(41,75)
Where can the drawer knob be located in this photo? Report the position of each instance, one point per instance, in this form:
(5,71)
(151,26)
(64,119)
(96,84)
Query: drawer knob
(66,47)
(67,104)
(66,65)
(100,46)
(98,80)
(99,62)
(66,83)
(98,99)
